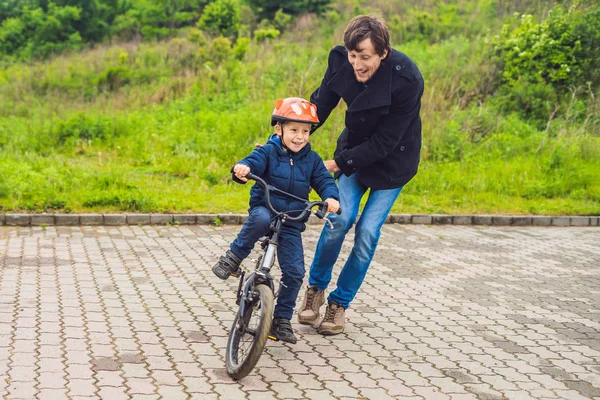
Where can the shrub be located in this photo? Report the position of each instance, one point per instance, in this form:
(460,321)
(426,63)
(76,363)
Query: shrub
(220,50)
(241,48)
(113,78)
(82,127)
(263,34)
(36,33)
(269,8)
(542,63)
(281,20)
(221,18)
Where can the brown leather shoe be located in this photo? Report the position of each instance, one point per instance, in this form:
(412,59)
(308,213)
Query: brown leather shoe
(333,321)
(309,310)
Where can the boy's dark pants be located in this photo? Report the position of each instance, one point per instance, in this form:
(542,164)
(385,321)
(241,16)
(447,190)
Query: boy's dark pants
(290,255)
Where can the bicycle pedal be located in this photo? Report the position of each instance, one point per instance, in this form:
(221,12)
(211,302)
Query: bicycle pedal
(273,338)
(235,275)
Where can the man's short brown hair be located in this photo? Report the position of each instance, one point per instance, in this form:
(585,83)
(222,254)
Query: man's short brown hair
(367,26)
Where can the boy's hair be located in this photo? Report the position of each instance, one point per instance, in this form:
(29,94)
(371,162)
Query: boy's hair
(367,26)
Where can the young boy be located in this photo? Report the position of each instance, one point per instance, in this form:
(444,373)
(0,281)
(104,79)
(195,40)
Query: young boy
(287,163)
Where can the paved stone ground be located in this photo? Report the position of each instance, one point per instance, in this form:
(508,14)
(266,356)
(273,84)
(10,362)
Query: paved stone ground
(446,312)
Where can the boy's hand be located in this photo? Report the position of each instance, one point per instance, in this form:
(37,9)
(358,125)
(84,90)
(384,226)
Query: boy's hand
(240,171)
(332,205)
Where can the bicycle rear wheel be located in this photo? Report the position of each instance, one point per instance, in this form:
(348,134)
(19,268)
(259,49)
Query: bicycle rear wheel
(249,333)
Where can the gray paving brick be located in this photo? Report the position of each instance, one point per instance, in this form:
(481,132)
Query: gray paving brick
(502,220)
(232,219)
(540,220)
(91,219)
(422,219)
(66,219)
(17,219)
(462,219)
(205,219)
(115,219)
(482,220)
(42,219)
(521,220)
(441,219)
(580,221)
(561,221)
(161,219)
(138,219)
(401,218)
(184,219)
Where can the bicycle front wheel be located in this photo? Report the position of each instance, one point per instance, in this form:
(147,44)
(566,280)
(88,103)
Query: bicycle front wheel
(249,333)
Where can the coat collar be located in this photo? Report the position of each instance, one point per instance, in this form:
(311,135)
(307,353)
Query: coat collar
(376,93)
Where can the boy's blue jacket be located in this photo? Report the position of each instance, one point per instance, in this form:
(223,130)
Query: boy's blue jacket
(294,173)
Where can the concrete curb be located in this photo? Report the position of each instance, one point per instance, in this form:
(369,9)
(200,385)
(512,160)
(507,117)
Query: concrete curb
(237,219)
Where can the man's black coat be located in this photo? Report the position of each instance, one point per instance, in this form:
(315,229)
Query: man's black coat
(382,138)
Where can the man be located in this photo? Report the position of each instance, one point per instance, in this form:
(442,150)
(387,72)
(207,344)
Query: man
(379,149)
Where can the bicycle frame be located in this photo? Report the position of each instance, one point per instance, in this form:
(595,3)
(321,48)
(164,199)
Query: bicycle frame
(261,275)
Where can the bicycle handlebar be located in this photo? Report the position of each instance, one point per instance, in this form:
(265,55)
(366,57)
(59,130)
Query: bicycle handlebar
(309,204)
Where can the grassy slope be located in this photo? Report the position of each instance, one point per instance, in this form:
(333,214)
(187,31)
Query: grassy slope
(165,140)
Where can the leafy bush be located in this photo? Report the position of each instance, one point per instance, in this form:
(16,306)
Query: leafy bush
(114,77)
(281,20)
(221,17)
(263,34)
(241,48)
(444,20)
(269,8)
(36,33)
(82,127)
(546,53)
(542,63)
(220,50)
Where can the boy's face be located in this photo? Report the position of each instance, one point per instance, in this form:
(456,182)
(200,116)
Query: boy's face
(295,134)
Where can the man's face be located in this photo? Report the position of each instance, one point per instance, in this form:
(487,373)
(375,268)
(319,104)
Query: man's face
(295,134)
(365,60)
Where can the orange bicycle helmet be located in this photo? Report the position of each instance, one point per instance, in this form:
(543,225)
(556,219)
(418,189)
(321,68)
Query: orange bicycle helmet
(294,109)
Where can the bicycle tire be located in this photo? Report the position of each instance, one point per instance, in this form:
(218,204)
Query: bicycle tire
(263,303)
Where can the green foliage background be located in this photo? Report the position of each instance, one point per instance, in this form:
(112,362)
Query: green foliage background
(145,106)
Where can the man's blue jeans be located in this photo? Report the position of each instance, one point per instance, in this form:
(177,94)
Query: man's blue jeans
(366,237)
(289,254)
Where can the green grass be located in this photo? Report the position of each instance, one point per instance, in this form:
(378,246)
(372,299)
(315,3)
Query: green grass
(164,138)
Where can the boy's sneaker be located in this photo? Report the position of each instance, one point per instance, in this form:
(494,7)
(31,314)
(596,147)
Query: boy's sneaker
(333,321)
(309,310)
(282,330)
(228,264)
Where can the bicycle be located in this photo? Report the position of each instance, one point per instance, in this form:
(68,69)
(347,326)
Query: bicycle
(256,293)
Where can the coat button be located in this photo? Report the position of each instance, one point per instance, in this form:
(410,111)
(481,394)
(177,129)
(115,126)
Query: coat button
(363,119)
(398,67)
(349,162)
(401,148)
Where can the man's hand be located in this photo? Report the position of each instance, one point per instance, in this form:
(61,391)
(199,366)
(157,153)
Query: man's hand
(332,205)
(240,171)
(331,166)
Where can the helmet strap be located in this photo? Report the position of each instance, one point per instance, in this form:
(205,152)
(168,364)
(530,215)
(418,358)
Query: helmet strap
(283,141)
